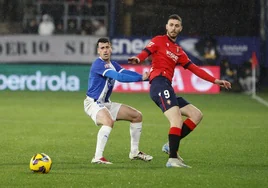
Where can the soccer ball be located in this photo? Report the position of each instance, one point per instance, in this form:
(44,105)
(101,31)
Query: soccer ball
(40,163)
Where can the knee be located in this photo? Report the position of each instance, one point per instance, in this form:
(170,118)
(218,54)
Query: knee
(137,117)
(108,121)
(197,116)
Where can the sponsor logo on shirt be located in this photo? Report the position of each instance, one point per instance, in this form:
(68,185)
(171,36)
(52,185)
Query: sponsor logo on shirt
(107,66)
(150,44)
(172,56)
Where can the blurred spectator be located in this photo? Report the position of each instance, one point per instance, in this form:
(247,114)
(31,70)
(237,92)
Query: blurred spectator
(73,8)
(32,27)
(55,10)
(227,72)
(72,1)
(72,28)
(46,27)
(29,11)
(86,8)
(86,27)
(99,28)
(88,2)
(59,28)
(245,77)
(207,48)
(98,9)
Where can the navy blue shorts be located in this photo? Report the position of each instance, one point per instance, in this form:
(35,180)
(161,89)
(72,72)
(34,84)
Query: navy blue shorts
(162,93)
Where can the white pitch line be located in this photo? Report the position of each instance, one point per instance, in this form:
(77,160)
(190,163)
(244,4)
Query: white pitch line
(261,100)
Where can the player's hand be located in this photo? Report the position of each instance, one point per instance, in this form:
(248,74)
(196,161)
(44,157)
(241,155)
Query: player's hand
(145,76)
(223,83)
(133,60)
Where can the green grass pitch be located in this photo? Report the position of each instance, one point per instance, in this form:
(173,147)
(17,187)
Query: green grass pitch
(228,149)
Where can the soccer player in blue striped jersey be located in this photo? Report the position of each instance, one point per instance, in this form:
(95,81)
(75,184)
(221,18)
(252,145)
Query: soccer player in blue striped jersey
(103,74)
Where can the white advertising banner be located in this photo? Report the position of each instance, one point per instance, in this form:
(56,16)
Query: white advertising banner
(45,49)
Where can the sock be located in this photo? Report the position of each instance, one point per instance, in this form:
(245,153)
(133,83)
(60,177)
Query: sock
(187,127)
(102,138)
(174,138)
(135,134)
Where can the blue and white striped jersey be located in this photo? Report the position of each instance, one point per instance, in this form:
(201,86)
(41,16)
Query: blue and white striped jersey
(100,87)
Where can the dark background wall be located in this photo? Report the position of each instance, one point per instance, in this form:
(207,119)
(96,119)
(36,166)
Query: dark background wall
(200,17)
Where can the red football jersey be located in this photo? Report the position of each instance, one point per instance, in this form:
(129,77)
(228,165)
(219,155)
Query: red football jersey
(166,54)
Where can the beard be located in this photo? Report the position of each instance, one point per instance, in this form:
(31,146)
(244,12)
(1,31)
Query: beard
(172,35)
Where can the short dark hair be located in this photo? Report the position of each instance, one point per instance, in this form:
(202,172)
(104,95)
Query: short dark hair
(103,40)
(175,17)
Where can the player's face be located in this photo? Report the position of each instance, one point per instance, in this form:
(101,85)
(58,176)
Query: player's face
(105,51)
(173,28)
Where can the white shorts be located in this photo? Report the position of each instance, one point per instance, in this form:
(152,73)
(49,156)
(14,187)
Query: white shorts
(92,107)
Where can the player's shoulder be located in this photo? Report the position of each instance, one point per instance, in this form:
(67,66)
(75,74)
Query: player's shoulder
(160,37)
(98,62)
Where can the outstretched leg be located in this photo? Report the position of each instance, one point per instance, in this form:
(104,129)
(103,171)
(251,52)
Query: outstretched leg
(194,116)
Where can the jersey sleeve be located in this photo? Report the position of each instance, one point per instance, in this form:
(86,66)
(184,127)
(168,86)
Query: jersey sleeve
(152,46)
(201,73)
(149,49)
(183,60)
(117,67)
(129,72)
(121,77)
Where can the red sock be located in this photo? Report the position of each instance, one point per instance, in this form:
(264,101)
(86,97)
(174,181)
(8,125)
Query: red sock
(187,127)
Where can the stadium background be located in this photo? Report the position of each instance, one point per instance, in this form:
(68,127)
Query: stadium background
(236,29)
(227,149)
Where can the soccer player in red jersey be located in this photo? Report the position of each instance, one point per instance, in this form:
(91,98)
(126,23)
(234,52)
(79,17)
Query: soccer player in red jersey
(166,54)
